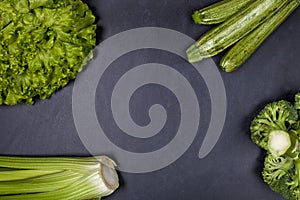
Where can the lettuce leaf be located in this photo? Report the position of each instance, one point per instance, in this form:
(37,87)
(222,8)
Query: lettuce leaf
(43,45)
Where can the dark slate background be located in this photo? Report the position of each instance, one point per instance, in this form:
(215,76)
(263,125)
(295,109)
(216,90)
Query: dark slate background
(232,170)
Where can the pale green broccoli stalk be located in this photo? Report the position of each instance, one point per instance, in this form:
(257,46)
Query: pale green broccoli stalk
(284,143)
(279,142)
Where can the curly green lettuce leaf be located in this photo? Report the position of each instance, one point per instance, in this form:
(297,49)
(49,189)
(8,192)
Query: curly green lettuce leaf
(43,45)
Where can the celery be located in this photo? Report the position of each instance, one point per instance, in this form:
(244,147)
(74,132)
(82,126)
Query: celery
(76,178)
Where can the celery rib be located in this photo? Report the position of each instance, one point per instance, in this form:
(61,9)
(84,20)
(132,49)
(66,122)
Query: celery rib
(11,175)
(82,189)
(40,184)
(52,163)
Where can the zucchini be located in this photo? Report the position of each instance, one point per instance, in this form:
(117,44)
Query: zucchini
(241,51)
(232,30)
(219,12)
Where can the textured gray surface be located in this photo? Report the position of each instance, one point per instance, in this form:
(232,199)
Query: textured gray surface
(232,169)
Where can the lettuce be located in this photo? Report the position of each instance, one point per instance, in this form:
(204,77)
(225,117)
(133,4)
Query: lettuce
(43,45)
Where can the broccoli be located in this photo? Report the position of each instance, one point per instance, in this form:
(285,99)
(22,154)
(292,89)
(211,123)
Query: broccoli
(280,174)
(284,143)
(284,189)
(275,168)
(277,130)
(280,115)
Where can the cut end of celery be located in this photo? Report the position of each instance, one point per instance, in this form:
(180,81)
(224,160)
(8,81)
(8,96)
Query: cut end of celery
(111,177)
(108,174)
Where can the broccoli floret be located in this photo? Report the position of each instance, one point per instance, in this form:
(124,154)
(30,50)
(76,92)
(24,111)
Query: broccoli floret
(282,188)
(280,115)
(275,168)
(277,173)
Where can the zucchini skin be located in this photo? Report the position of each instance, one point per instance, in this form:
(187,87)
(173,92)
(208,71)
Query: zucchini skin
(219,12)
(242,50)
(232,30)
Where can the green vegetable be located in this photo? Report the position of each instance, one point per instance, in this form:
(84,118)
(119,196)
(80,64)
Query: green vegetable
(234,29)
(219,12)
(283,176)
(56,178)
(9,175)
(283,143)
(279,115)
(277,130)
(279,173)
(246,23)
(279,142)
(242,50)
(43,45)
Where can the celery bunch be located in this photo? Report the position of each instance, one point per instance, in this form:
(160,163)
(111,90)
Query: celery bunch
(63,178)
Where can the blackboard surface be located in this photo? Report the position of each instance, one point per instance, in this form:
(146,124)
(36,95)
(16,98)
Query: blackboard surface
(231,170)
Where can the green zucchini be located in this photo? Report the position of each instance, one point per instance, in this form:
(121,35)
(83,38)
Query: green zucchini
(232,30)
(241,51)
(219,12)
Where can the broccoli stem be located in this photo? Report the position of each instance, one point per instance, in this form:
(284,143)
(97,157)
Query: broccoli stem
(296,179)
(279,142)
(283,143)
